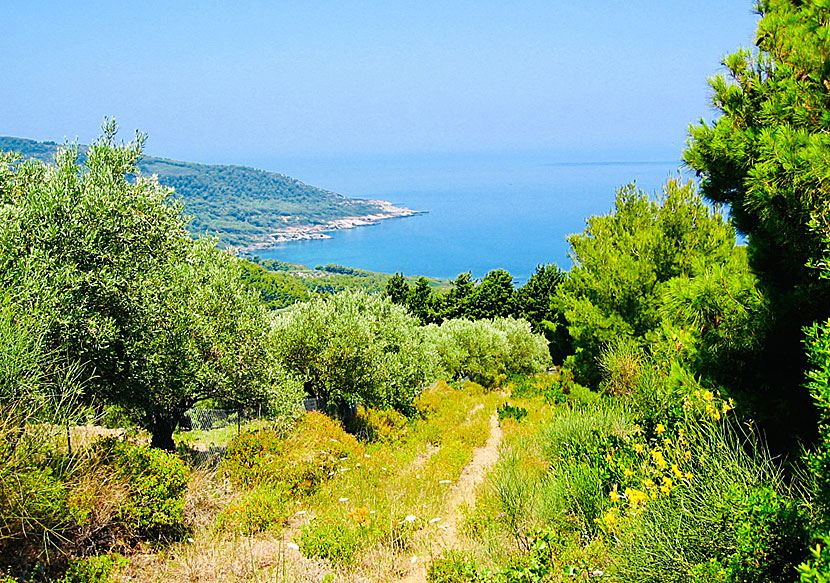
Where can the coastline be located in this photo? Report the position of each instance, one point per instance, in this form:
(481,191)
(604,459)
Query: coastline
(387,210)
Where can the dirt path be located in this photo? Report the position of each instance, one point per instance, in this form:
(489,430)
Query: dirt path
(463,492)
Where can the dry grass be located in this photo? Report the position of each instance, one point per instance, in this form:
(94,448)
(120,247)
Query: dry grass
(412,474)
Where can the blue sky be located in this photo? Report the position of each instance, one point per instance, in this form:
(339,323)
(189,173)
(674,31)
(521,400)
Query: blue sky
(244,82)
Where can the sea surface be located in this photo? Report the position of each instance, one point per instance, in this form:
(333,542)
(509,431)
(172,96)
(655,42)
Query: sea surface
(481,212)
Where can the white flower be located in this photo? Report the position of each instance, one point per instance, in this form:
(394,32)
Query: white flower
(294,546)
(343,500)
(410,518)
(434,520)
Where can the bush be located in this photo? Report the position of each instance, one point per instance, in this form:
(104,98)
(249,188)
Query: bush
(336,541)
(729,522)
(260,509)
(95,569)
(484,349)
(33,510)
(299,461)
(156,483)
(354,347)
(453,567)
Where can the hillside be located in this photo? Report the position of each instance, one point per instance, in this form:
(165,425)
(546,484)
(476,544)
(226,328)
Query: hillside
(243,206)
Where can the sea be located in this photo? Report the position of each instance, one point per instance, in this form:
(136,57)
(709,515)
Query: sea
(482,212)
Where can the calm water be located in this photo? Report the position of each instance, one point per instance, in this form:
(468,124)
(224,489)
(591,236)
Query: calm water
(482,214)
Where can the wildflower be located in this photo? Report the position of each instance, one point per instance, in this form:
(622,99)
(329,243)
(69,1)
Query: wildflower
(708,395)
(728,406)
(410,518)
(343,500)
(359,515)
(434,520)
(614,495)
(638,447)
(608,458)
(687,454)
(649,484)
(628,473)
(667,484)
(636,498)
(688,476)
(659,460)
(293,546)
(610,519)
(675,469)
(660,429)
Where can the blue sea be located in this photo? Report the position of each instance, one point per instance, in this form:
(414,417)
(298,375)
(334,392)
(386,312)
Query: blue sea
(481,212)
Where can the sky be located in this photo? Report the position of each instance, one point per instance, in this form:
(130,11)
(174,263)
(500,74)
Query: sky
(254,83)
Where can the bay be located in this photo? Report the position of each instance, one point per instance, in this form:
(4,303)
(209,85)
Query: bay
(481,212)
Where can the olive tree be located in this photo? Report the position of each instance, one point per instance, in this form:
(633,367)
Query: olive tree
(100,257)
(354,347)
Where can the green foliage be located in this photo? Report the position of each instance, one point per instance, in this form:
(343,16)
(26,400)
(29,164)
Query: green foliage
(33,510)
(732,521)
(94,569)
(487,348)
(766,157)
(818,460)
(101,260)
(817,570)
(239,205)
(354,347)
(334,540)
(508,411)
(263,508)
(156,481)
(622,261)
(453,567)
(297,462)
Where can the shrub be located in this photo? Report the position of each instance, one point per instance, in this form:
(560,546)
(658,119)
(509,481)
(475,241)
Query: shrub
(354,347)
(484,349)
(336,541)
(33,509)
(156,483)
(384,425)
(260,509)
(508,411)
(730,520)
(95,569)
(299,461)
(453,567)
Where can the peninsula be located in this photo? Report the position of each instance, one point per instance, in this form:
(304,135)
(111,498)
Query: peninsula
(245,208)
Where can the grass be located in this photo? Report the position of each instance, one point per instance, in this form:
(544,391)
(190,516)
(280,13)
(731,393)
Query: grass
(371,513)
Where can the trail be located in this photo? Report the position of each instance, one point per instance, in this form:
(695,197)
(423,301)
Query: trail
(462,492)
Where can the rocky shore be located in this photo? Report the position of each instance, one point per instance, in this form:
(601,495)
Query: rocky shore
(386,210)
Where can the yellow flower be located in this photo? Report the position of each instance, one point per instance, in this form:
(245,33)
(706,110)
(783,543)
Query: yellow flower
(659,460)
(638,447)
(688,476)
(614,495)
(610,519)
(636,498)
(628,473)
(359,515)
(608,458)
(688,455)
(708,395)
(660,429)
(675,469)
(667,484)
(649,484)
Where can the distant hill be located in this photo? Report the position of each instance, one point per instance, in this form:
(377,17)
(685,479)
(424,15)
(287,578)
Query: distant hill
(243,206)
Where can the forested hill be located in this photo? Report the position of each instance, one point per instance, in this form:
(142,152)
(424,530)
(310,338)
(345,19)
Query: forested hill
(239,204)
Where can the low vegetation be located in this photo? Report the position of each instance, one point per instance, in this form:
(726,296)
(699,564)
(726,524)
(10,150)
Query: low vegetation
(682,435)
